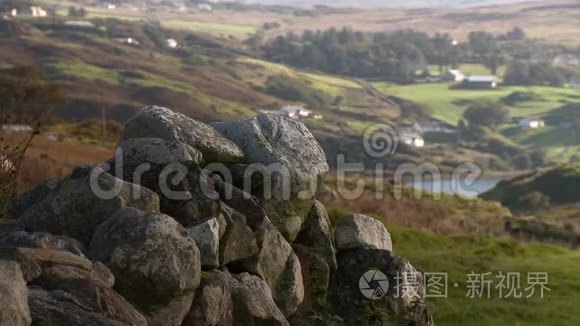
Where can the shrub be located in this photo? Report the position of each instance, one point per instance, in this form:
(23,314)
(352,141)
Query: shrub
(532,201)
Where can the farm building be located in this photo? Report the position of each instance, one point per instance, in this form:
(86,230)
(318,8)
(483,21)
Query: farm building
(411,139)
(453,75)
(531,123)
(480,82)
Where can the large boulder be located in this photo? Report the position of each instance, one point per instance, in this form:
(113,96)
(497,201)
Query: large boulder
(151,255)
(84,200)
(159,122)
(34,196)
(290,161)
(212,305)
(278,265)
(40,240)
(238,241)
(56,308)
(13,296)
(252,302)
(316,234)
(185,191)
(157,151)
(316,277)
(207,237)
(403,302)
(360,231)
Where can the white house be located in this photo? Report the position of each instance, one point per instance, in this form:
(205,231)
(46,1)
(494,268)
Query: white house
(480,82)
(172,43)
(575,81)
(38,12)
(14,13)
(412,140)
(566,59)
(128,41)
(295,112)
(531,123)
(453,75)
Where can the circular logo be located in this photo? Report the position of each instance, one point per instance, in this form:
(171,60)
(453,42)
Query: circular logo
(373,284)
(380,141)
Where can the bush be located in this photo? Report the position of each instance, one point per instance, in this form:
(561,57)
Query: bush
(293,89)
(532,201)
(486,114)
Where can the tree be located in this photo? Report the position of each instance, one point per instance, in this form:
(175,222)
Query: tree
(77,12)
(486,114)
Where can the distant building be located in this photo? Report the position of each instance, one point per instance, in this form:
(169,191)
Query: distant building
(17,128)
(128,41)
(410,139)
(575,81)
(295,112)
(14,12)
(434,126)
(172,43)
(532,123)
(480,82)
(453,75)
(38,12)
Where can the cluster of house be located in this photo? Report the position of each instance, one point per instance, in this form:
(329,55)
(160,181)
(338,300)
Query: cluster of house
(34,11)
(294,112)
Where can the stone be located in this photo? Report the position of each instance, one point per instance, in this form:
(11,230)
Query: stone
(56,308)
(238,241)
(316,234)
(172,313)
(157,151)
(76,207)
(212,305)
(41,240)
(163,123)
(207,237)
(34,196)
(253,303)
(290,160)
(151,255)
(185,191)
(403,302)
(316,277)
(14,309)
(277,264)
(360,231)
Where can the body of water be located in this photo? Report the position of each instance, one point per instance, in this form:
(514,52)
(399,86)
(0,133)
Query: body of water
(449,186)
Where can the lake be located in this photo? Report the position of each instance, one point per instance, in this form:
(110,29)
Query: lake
(449,186)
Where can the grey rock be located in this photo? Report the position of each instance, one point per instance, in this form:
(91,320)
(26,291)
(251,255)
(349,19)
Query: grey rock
(56,308)
(277,264)
(252,302)
(151,255)
(40,240)
(238,241)
(316,234)
(13,296)
(185,191)
(172,313)
(212,305)
(360,231)
(288,154)
(75,209)
(404,301)
(159,122)
(316,277)
(158,151)
(34,196)
(207,237)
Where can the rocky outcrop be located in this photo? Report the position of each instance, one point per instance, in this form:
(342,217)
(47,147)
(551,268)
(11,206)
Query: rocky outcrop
(158,122)
(14,309)
(290,162)
(360,231)
(116,244)
(151,255)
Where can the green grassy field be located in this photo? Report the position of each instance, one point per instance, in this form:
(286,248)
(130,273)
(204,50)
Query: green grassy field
(448,104)
(460,255)
(216,28)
